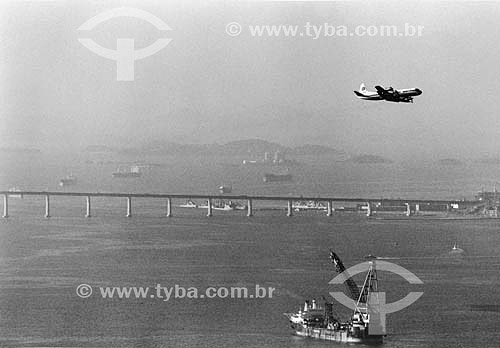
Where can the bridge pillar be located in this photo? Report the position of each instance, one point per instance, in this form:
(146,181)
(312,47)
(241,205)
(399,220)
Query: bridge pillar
(47,206)
(249,208)
(6,206)
(369,209)
(169,207)
(209,207)
(88,207)
(289,210)
(129,206)
(329,211)
(408,209)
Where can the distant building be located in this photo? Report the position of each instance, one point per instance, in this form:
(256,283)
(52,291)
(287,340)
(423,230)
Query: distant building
(278,157)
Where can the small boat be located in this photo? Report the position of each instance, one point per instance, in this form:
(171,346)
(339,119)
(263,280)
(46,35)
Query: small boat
(456,249)
(310,205)
(239,206)
(225,189)
(277,177)
(189,204)
(224,206)
(221,205)
(68,180)
(132,172)
(15,195)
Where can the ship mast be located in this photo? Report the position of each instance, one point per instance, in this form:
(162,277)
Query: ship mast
(370,311)
(370,286)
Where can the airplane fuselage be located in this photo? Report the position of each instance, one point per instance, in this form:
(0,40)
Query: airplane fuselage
(388,94)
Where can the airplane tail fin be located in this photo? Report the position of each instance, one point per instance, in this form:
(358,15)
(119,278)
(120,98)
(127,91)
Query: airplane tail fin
(362,88)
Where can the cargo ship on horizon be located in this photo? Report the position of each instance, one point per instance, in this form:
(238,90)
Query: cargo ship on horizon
(132,172)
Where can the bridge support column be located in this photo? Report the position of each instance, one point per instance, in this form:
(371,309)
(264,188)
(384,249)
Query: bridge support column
(249,208)
(47,206)
(6,206)
(289,210)
(88,207)
(129,206)
(329,211)
(209,208)
(169,207)
(408,209)
(369,209)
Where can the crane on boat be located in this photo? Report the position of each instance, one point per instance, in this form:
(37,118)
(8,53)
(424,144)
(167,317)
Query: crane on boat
(351,285)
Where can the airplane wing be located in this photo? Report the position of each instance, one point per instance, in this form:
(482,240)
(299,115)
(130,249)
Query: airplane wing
(380,90)
(386,92)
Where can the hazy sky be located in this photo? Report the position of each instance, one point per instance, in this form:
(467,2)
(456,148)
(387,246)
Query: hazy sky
(207,86)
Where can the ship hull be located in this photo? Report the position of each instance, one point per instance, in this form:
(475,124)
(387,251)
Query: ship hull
(126,175)
(277,177)
(67,182)
(337,336)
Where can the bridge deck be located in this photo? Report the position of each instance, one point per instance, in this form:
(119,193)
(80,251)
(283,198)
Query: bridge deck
(234,197)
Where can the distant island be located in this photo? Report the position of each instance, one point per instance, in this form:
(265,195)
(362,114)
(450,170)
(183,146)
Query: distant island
(20,150)
(309,149)
(488,160)
(251,148)
(369,159)
(100,148)
(250,151)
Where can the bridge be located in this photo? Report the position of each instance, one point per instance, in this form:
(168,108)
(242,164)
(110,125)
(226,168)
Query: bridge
(250,199)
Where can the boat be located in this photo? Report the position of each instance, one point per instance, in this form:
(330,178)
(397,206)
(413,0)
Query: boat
(189,204)
(269,177)
(68,180)
(132,172)
(15,195)
(456,249)
(364,326)
(346,209)
(239,206)
(225,189)
(249,162)
(222,205)
(310,205)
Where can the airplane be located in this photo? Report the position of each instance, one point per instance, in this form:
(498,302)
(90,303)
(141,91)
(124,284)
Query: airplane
(388,94)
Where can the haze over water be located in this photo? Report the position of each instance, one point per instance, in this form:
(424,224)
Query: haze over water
(208,86)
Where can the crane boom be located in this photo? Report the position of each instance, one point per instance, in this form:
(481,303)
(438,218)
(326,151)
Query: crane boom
(351,285)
